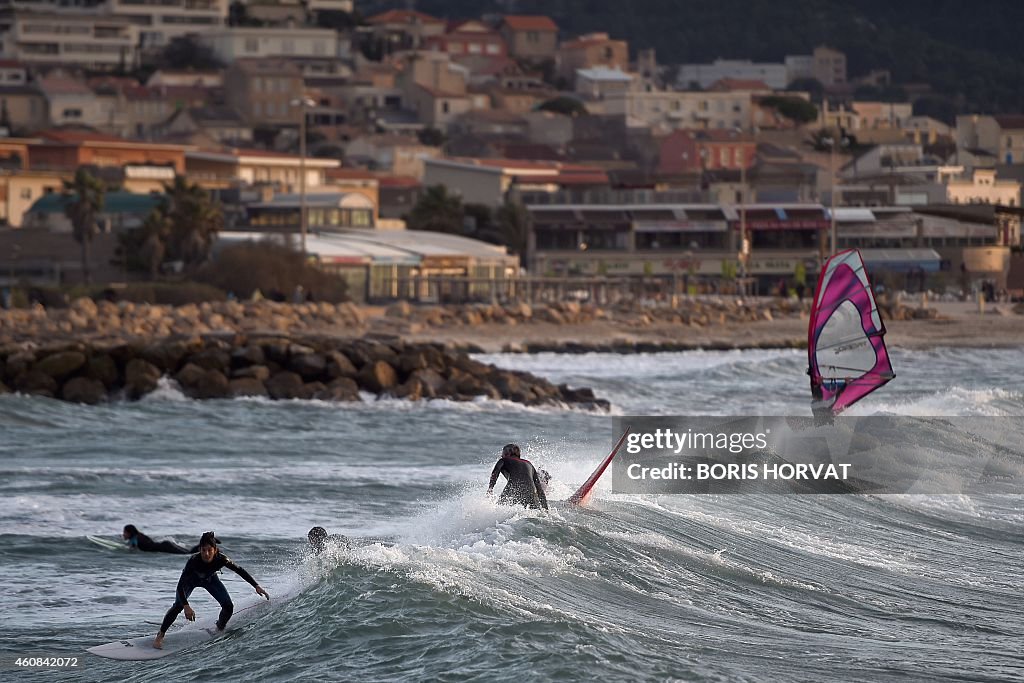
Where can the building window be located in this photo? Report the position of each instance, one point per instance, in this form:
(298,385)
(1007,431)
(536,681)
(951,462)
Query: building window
(26,193)
(533,37)
(252,45)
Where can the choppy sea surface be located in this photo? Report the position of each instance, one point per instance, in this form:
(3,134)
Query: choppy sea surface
(445,585)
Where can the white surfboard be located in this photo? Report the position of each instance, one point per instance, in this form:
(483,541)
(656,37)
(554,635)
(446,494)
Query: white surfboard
(107,543)
(203,630)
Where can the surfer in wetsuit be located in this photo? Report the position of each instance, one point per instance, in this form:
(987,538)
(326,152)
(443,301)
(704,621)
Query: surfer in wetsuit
(140,541)
(201,572)
(319,538)
(524,486)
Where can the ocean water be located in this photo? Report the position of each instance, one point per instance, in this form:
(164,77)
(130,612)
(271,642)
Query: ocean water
(448,586)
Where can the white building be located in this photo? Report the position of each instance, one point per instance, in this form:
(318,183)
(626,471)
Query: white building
(670,110)
(161,21)
(83,39)
(773,75)
(982,187)
(244,43)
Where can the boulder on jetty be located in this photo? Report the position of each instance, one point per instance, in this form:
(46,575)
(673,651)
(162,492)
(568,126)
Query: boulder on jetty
(228,365)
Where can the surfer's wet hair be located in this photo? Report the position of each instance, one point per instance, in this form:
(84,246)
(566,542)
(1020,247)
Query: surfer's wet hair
(130,529)
(210,539)
(510,451)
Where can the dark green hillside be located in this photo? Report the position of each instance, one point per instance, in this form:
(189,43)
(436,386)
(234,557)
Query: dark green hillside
(970,52)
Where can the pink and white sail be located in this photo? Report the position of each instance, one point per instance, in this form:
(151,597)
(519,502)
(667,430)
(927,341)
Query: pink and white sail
(847,358)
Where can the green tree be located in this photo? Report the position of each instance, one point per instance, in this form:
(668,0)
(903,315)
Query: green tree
(437,211)
(193,222)
(431,137)
(513,224)
(567,106)
(793,108)
(83,203)
(186,52)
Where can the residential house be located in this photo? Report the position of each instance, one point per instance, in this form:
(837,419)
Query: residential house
(13,72)
(589,51)
(20,189)
(264,91)
(688,151)
(400,155)
(66,150)
(22,107)
(235,43)
(600,82)
(231,167)
(437,108)
(1002,136)
(87,40)
(147,108)
(924,130)
(529,37)
(881,115)
(69,101)
(221,125)
(470,38)
(703,75)
(399,30)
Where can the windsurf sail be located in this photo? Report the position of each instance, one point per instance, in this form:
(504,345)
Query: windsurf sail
(846,353)
(582,495)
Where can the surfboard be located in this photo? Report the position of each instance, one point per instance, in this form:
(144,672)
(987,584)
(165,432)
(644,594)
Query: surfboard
(107,543)
(583,494)
(141,649)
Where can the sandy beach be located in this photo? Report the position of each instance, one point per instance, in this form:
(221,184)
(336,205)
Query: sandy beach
(959,325)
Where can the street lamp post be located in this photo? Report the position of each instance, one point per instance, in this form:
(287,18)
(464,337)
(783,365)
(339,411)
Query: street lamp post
(302,103)
(834,142)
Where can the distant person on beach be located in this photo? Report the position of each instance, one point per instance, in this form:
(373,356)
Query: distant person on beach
(201,572)
(524,486)
(140,541)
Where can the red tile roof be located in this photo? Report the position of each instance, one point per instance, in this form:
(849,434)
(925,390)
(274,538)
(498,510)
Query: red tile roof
(529,22)
(398,181)
(77,137)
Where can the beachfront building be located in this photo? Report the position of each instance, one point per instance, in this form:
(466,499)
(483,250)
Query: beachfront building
(429,267)
(671,241)
(216,169)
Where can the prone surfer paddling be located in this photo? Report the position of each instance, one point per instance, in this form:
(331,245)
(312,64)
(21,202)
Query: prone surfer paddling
(201,572)
(524,486)
(140,541)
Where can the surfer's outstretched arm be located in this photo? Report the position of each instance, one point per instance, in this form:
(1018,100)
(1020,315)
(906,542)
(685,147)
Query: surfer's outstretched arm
(494,474)
(540,490)
(247,576)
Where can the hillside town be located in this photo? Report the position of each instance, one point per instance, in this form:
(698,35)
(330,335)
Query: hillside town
(489,159)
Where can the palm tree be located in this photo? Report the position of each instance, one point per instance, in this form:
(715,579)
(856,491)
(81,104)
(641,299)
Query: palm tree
(437,211)
(83,203)
(513,224)
(193,222)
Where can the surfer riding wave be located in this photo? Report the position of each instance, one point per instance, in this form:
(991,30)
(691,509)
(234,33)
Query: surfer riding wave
(524,486)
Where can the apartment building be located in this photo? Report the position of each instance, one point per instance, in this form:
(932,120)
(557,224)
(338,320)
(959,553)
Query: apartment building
(703,75)
(982,187)
(468,38)
(669,110)
(93,41)
(158,22)
(1001,136)
(264,91)
(272,42)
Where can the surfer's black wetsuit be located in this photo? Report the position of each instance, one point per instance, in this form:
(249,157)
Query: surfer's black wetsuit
(523,487)
(146,544)
(199,574)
